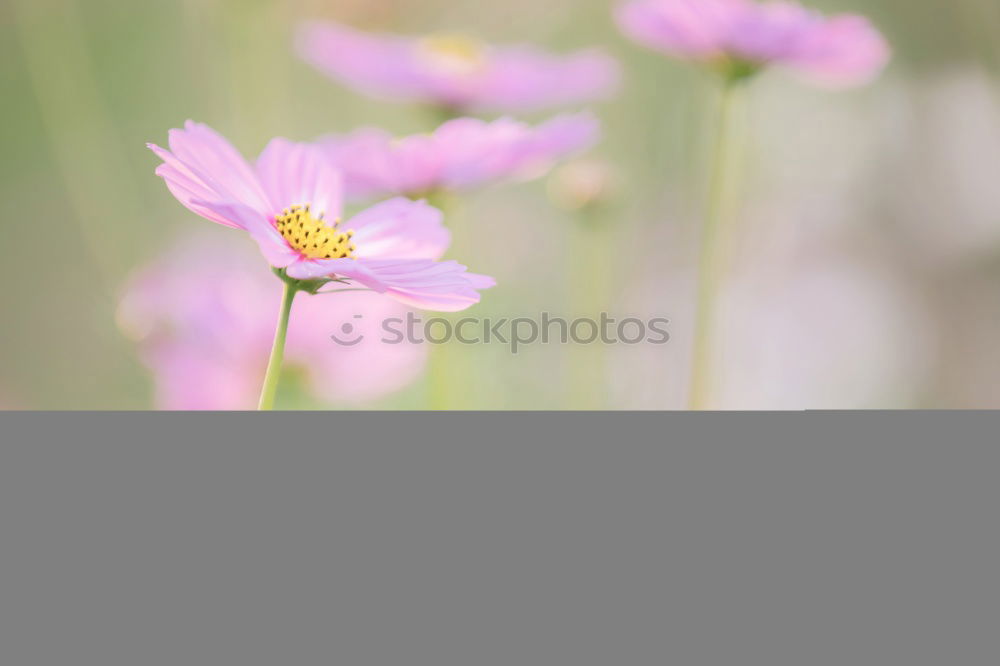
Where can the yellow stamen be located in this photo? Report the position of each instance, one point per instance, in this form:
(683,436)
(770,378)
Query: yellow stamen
(312,236)
(454,51)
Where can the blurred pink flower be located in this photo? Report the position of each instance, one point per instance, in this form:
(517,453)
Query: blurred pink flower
(460,154)
(838,50)
(283,202)
(454,71)
(203,318)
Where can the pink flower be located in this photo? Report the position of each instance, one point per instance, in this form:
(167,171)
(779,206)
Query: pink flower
(203,319)
(290,204)
(838,50)
(454,71)
(460,154)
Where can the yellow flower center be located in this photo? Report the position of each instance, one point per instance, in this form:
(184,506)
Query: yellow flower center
(454,52)
(312,236)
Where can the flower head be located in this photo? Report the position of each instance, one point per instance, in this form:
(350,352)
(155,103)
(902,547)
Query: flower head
(203,318)
(460,154)
(455,71)
(290,204)
(743,36)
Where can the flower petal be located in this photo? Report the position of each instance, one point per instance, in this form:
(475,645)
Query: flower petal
(272,245)
(523,79)
(844,51)
(421,283)
(501,79)
(839,50)
(202,164)
(559,137)
(366,160)
(381,66)
(683,28)
(298,174)
(187,187)
(399,229)
(460,154)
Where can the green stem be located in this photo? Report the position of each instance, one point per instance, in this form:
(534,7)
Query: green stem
(709,269)
(270,388)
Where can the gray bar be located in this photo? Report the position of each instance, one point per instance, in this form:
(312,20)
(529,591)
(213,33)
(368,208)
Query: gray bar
(624,539)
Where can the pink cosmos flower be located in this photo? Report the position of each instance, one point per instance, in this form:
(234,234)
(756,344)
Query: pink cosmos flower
(203,318)
(746,35)
(460,154)
(455,71)
(290,204)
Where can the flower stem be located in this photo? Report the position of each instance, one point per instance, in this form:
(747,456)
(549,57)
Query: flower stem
(270,388)
(710,268)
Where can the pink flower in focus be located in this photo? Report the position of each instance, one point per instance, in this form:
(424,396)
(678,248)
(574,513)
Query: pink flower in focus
(839,50)
(454,71)
(460,154)
(203,317)
(290,204)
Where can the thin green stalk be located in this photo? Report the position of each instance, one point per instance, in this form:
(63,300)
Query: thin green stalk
(710,264)
(270,388)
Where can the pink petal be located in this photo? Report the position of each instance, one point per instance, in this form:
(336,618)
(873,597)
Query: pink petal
(560,137)
(523,79)
(213,169)
(421,283)
(299,174)
(474,152)
(310,269)
(846,50)
(185,186)
(684,28)
(842,50)
(400,229)
(508,79)
(461,153)
(478,281)
(366,160)
(381,66)
(771,32)
(272,245)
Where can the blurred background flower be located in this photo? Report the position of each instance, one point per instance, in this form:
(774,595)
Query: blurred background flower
(880,200)
(742,36)
(455,71)
(203,316)
(460,154)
